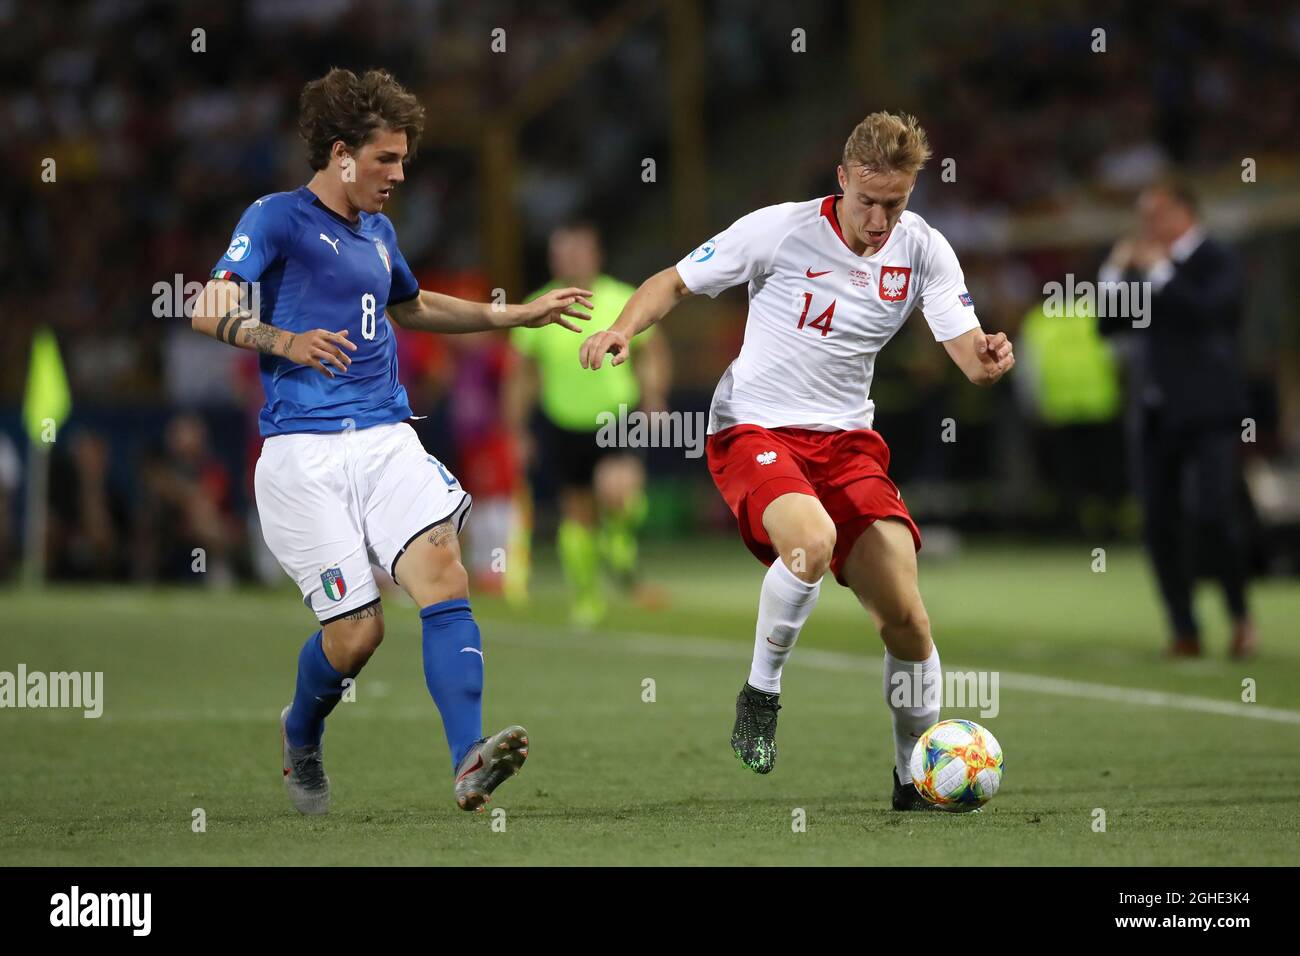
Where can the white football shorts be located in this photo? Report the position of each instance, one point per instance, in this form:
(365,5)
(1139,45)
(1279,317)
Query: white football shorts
(332,505)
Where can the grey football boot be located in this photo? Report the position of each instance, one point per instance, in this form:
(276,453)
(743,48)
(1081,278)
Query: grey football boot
(490,762)
(304,774)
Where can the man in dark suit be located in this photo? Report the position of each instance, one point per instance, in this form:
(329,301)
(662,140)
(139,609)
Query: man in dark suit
(1186,403)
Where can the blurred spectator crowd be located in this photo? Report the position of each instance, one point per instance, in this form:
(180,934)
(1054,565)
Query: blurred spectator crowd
(161,135)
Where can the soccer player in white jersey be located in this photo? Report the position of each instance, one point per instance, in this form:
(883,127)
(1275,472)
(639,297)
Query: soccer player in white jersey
(343,482)
(790,445)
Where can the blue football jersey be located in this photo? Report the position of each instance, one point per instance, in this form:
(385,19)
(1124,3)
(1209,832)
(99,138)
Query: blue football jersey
(316,270)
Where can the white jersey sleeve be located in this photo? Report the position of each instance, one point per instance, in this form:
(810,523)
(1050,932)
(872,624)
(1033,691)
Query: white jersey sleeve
(743,251)
(945,300)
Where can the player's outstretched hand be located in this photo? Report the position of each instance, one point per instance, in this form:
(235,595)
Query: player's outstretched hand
(593,350)
(995,355)
(318,347)
(555,305)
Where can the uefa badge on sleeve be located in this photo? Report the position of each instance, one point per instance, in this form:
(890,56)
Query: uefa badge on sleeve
(335,586)
(238,248)
(705,252)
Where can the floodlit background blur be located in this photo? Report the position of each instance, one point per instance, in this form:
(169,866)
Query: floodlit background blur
(158,145)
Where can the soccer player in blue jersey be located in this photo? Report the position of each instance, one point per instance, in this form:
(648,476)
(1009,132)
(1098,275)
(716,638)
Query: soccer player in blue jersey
(310,280)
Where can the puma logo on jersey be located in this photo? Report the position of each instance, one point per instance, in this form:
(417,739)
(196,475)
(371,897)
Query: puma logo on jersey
(333,243)
(765,457)
(472,650)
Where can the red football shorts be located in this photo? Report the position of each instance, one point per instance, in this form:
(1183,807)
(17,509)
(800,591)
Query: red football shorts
(845,470)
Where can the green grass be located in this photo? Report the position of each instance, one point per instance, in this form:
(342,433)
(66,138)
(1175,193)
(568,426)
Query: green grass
(194,681)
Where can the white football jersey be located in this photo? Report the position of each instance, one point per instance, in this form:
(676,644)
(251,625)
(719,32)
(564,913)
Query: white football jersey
(818,313)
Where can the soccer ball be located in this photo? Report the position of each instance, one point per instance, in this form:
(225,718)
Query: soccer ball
(957,764)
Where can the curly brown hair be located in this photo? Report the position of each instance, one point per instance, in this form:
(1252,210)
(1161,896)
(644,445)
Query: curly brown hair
(343,106)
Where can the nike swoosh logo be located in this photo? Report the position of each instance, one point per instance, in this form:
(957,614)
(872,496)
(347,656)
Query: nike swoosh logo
(473,650)
(775,644)
(813,275)
(469,770)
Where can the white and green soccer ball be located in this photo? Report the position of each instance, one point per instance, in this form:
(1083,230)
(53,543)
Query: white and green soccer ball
(957,765)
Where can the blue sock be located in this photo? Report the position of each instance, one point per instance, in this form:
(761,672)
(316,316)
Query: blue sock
(453,669)
(319,688)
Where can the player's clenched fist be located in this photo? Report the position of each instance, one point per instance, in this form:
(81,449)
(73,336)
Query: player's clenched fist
(318,347)
(995,355)
(593,350)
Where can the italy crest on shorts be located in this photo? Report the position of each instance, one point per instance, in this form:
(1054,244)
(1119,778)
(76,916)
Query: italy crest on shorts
(335,586)
(383,255)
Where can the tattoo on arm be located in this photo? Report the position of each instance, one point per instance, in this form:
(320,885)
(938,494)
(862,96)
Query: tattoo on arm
(262,337)
(361,613)
(441,534)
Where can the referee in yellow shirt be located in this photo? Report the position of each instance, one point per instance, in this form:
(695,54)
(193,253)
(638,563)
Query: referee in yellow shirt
(601,490)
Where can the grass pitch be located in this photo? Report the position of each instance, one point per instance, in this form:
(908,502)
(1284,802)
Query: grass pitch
(1091,718)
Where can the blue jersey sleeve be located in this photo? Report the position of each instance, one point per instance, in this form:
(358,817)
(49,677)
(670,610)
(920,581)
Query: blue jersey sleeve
(404,285)
(262,237)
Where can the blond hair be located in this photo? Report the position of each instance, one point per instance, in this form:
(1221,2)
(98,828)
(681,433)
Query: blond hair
(888,142)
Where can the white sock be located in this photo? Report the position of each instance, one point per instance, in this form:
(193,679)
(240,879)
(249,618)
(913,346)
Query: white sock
(920,685)
(783,606)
